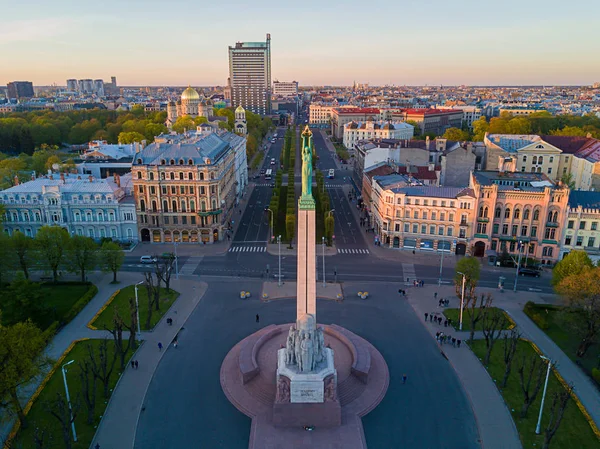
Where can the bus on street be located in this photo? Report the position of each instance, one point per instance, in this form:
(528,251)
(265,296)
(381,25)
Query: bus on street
(268,174)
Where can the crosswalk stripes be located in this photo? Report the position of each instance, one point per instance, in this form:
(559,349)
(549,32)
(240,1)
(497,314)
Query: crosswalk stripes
(247,249)
(408,270)
(352,251)
(190,265)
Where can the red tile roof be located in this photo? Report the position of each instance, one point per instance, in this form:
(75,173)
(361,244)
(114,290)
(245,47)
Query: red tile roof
(342,111)
(420,172)
(430,111)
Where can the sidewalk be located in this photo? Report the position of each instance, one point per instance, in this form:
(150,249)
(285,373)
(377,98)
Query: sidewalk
(494,421)
(119,424)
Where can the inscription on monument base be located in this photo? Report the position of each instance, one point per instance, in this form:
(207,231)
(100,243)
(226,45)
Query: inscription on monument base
(307,391)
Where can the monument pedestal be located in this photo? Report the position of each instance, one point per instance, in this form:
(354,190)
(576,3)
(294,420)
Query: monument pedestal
(307,399)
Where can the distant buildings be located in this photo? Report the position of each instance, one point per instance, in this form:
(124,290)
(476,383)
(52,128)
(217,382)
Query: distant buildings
(285,89)
(371,129)
(190,104)
(186,186)
(83,205)
(341,116)
(93,87)
(20,90)
(320,115)
(580,229)
(435,121)
(555,156)
(250,75)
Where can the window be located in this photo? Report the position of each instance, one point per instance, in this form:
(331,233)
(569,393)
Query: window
(450,231)
(570,224)
(415,229)
(201,176)
(526,214)
(550,233)
(514,230)
(582,225)
(181,176)
(451,218)
(424,215)
(406,213)
(568,240)
(139,174)
(423,229)
(202,190)
(416,214)
(190,176)
(481,228)
(579,240)
(184,220)
(534,160)
(152,190)
(494,245)
(172,176)
(547,251)
(398,214)
(166,220)
(594,225)
(425,203)
(162,176)
(591,241)
(163,162)
(164,190)
(495,228)
(504,229)
(536,215)
(192,206)
(517,214)
(193,220)
(442,216)
(534,231)
(481,212)
(523,231)
(432,230)
(397,227)
(173,190)
(498,212)
(141,189)
(182,189)
(507,212)
(549,170)
(174,204)
(524,158)
(175,220)
(541,160)
(191,190)
(142,205)
(417,202)
(441,230)
(551,159)
(406,227)
(151,176)
(433,215)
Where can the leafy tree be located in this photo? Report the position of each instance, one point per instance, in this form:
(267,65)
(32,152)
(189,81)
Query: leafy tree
(568,180)
(200,120)
(470,267)
(480,127)
(131,137)
(569,131)
(137,110)
(51,161)
(456,134)
(82,254)
(112,258)
(518,125)
(581,292)
(22,300)
(52,242)
(6,259)
(22,247)
(184,123)
(417,131)
(573,263)
(22,361)
(329,226)
(290,227)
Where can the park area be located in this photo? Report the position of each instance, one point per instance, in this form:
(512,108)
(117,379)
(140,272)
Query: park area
(574,431)
(454,315)
(120,303)
(48,415)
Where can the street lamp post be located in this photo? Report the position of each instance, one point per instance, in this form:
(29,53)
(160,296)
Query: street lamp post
(539,423)
(323,241)
(441,265)
(176,261)
(271,230)
(279,244)
(64,373)
(462,299)
(329,213)
(520,247)
(137,310)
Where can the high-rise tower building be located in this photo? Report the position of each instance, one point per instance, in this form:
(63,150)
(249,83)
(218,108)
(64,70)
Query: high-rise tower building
(250,75)
(20,89)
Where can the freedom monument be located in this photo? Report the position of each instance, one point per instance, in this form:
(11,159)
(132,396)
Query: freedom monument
(298,376)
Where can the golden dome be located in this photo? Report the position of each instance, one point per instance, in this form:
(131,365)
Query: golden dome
(240,109)
(190,94)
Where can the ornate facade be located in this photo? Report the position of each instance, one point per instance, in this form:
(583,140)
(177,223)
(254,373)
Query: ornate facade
(190,103)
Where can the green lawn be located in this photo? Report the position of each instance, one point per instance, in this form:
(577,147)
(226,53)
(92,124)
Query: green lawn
(59,298)
(454,315)
(567,341)
(121,302)
(574,432)
(39,417)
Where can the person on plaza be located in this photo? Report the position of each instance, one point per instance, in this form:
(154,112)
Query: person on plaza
(435,295)
(159,346)
(440,320)
(458,343)
(454,341)
(426,315)
(445,323)
(137,364)
(132,364)
(450,322)
(257,318)
(404,377)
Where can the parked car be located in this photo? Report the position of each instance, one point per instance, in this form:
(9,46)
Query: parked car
(529,272)
(148,259)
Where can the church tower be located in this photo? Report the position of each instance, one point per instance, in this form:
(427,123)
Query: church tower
(240,126)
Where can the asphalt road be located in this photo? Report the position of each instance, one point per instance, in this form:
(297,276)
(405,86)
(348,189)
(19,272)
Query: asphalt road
(185,406)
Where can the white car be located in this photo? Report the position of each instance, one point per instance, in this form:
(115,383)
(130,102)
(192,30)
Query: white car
(148,259)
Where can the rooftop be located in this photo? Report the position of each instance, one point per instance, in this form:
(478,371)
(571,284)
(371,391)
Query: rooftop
(435,192)
(71,184)
(585,199)
(349,111)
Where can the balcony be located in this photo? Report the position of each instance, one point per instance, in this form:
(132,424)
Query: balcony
(481,236)
(551,224)
(207,213)
(464,223)
(549,242)
(482,220)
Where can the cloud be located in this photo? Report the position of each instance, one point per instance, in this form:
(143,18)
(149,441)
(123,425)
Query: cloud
(34,29)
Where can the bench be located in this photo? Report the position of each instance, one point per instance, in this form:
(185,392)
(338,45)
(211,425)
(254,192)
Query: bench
(250,347)
(361,355)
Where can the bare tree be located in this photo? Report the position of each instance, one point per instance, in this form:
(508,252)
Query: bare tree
(476,311)
(510,348)
(117,333)
(59,408)
(150,291)
(164,269)
(531,377)
(492,324)
(41,438)
(134,322)
(102,366)
(88,388)
(560,400)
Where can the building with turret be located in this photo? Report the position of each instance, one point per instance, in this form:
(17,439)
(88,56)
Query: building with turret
(241,126)
(190,103)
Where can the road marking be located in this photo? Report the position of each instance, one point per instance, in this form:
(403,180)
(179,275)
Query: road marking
(247,249)
(352,251)
(408,271)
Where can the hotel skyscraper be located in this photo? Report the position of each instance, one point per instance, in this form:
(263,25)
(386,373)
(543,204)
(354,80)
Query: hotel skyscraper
(250,75)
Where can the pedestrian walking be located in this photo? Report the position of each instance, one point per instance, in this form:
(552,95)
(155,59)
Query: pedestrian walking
(440,321)
(175,343)
(458,343)
(257,318)
(437,336)
(159,346)
(132,364)
(435,295)
(445,323)
(450,322)
(454,341)
(137,364)
(426,315)
(404,379)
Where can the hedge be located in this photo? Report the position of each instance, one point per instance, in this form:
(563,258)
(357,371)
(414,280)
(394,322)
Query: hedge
(80,304)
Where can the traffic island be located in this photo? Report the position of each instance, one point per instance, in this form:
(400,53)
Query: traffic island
(271,290)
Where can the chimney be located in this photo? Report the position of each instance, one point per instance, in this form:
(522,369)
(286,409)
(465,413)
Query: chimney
(115,178)
(118,180)
(33,176)
(588,135)
(51,177)
(431,167)
(16,180)
(427,143)
(470,146)
(91,178)
(78,177)
(62,178)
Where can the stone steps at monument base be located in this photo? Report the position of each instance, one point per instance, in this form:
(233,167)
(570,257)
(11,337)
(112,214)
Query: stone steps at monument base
(350,389)
(260,391)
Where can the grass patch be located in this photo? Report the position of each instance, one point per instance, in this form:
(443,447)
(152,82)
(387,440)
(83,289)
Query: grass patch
(548,319)
(39,417)
(60,299)
(279,224)
(574,431)
(454,315)
(121,303)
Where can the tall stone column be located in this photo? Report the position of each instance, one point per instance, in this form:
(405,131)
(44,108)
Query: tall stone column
(306,276)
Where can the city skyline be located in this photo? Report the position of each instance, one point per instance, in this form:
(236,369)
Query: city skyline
(524,43)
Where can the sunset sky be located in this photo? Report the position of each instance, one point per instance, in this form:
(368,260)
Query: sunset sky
(149,42)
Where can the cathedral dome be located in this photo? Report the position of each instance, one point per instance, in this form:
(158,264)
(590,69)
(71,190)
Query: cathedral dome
(190,94)
(240,109)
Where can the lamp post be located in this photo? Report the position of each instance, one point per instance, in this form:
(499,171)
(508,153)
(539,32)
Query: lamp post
(441,264)
(271,230)
(329,213)
(137,310)
(519,247)
(323,241)
(462,299)
(176,262)
(64,373)
(279,245)
(537,428)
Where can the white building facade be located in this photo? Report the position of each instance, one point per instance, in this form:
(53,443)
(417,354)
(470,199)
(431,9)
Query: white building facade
(355,131)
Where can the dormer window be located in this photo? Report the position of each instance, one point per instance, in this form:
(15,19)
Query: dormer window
(539,146)
(172,162)
(180,161)
(139,161)
(163,162)
(190,162)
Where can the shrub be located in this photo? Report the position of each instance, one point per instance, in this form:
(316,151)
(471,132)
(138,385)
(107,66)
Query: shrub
(596,374)
(80,304)
(540,320)
(529,308)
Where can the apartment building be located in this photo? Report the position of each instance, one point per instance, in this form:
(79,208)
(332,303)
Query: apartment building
(371,129)
(580,230)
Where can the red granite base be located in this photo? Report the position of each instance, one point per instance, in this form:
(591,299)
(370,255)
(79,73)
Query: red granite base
(248,377)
